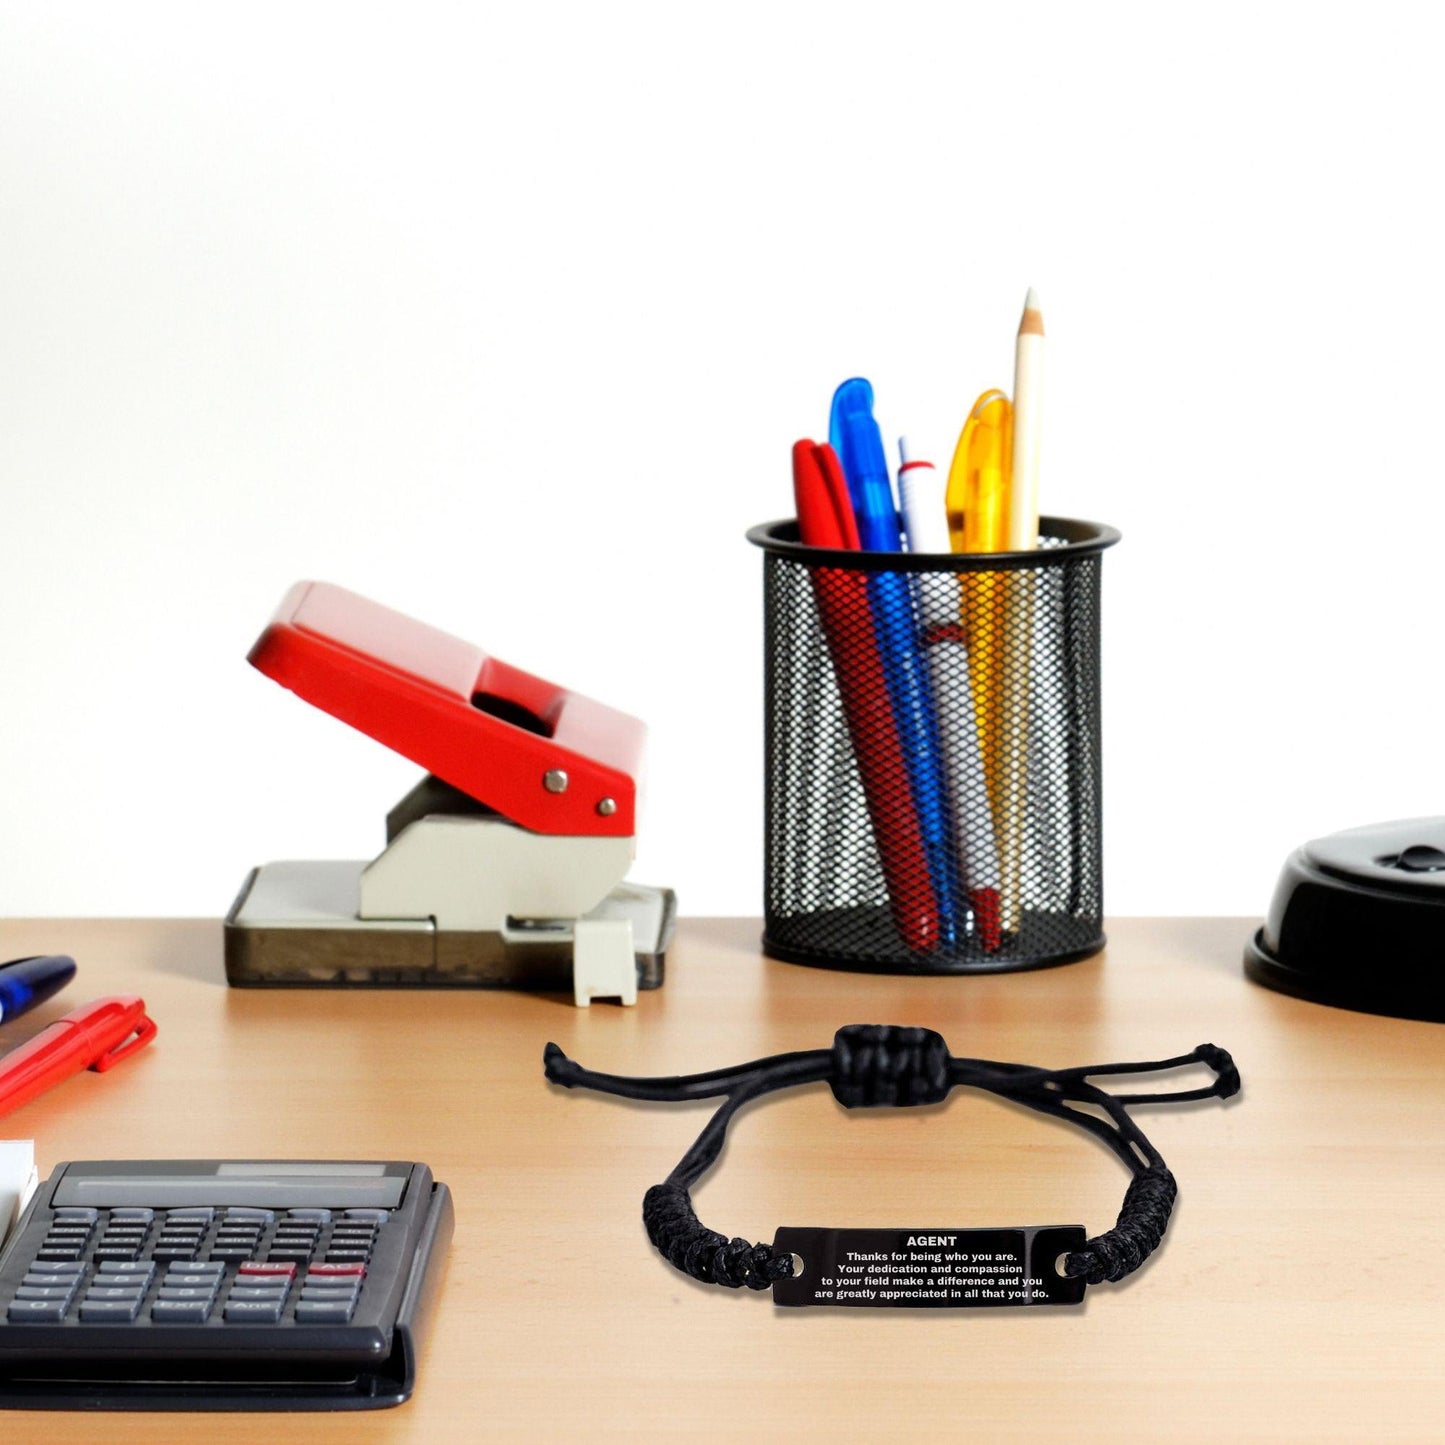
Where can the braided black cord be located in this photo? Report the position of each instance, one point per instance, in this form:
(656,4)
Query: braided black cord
(1143,1219)
(874,1065)
(689,1245)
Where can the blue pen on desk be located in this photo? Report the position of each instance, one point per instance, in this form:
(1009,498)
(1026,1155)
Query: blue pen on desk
(25,982)
(859,444)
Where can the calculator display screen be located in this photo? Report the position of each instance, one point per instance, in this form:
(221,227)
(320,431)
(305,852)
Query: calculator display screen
(279,1183)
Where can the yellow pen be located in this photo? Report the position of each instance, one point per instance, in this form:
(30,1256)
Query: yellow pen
(978,479)
(978,500)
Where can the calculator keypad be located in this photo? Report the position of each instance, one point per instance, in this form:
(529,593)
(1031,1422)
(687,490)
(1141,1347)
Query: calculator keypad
(195,1266)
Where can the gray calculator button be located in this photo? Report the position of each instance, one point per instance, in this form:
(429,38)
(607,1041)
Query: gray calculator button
(254,1312)
(316,1216)
(330,1293)
(68,1213)
(375,1216)
(186,1291)
(44,1311)
(323,1312)
(44,1291)
(129,1267)
(201,1269)
(116,1291)
(252,1296)
(205,1215)
(131,1282)
(57,1252)
(250,1216)
(110,1311)
(110,1253)
(181,1312)
(132,1215)
(55,1267)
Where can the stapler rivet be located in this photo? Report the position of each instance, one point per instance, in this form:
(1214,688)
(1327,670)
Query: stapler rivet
(554,780)
(607,807)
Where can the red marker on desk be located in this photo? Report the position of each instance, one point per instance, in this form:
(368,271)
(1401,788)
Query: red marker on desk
(96,1036)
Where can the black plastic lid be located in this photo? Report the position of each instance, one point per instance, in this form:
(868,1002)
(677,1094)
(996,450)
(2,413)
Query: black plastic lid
(1358,921)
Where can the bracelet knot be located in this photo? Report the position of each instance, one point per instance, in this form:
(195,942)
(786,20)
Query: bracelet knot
(884,1064)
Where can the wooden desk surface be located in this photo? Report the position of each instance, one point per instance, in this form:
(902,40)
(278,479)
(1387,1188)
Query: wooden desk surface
(1291,1299)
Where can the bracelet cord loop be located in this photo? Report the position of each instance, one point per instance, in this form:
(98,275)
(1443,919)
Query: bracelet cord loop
(879,1065)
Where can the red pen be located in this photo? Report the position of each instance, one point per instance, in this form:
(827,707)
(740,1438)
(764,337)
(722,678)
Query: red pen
(95,1036)
(825,519)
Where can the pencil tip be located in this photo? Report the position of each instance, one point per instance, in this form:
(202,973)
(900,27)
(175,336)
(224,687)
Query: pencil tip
(1032,321)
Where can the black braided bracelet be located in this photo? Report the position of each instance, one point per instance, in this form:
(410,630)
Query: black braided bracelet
(872,1065)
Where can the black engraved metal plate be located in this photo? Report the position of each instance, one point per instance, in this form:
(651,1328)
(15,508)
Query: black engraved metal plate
(929,1268)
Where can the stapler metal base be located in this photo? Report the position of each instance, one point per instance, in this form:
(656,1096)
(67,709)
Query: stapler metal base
(298,924)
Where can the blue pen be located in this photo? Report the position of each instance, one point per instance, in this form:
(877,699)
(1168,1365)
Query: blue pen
(25,982)
(854,435)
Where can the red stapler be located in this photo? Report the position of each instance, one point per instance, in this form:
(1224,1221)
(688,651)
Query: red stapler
(503,867)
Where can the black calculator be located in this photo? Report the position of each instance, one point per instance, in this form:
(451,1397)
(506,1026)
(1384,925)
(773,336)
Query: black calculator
(238,1284)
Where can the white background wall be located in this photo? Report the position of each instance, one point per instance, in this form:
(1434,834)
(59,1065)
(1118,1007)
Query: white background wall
(508,315)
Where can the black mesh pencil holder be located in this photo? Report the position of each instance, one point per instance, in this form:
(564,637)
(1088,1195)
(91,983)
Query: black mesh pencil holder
(933,754)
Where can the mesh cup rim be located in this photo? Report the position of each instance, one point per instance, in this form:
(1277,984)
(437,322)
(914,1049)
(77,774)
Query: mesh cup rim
(1074,539)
